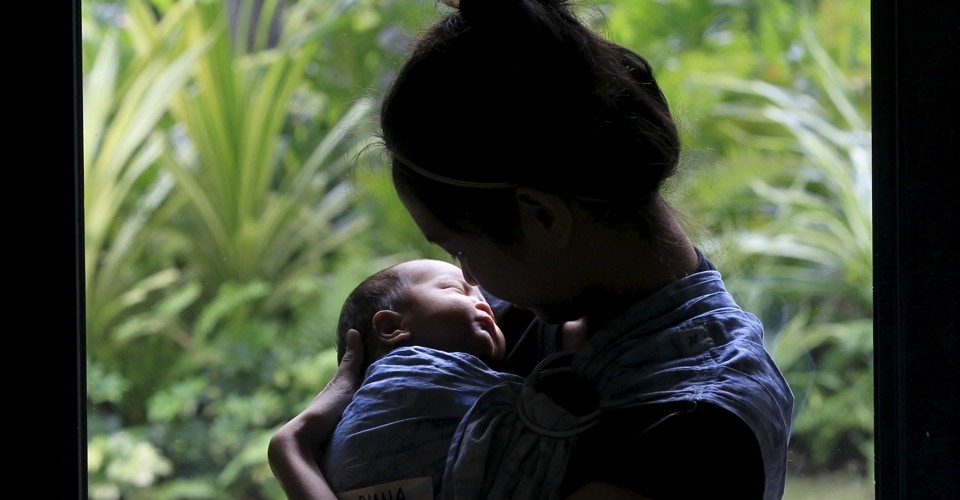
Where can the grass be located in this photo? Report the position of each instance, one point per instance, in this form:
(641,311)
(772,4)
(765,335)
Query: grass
(837,486)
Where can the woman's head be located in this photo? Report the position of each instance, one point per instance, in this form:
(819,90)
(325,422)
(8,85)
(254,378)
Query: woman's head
(421,302)
(508,93)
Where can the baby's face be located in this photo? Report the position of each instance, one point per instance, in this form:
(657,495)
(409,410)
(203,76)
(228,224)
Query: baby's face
(447,313)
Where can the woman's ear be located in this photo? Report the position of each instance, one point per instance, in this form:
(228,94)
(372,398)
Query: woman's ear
(388,325)
(545,216)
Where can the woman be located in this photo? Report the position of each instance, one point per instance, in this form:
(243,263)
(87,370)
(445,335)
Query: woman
(534,151)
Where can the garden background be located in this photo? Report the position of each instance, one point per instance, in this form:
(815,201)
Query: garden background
(234,193)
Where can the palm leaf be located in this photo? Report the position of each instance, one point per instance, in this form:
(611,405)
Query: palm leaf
(122,190)
(254,209)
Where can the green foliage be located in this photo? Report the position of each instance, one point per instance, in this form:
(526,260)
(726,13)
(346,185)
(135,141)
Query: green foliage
(258,205)
(360,43)
(124,101)
(214,230)
(123,461)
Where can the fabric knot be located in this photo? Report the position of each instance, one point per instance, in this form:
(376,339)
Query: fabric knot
(556,402)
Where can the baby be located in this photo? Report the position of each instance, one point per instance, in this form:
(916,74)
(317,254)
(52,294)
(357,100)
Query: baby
(427,336)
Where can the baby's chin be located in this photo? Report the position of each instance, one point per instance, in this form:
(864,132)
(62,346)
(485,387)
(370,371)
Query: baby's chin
(493,351)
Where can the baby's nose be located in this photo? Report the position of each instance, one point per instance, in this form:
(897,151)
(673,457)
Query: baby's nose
(485,307)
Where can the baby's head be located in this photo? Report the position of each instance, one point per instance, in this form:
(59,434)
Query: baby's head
(421,302)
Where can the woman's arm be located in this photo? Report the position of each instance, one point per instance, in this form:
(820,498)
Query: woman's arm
(294,450)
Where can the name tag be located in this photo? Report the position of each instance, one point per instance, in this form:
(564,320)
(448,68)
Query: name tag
(420,488)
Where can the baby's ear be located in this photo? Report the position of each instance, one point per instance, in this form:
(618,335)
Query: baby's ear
(388,325)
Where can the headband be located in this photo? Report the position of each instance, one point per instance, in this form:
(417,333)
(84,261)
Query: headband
(450,180)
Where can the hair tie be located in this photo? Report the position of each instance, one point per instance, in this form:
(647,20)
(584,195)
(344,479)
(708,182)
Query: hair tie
(450,180)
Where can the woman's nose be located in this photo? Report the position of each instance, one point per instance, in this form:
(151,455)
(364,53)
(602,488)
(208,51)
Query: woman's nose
(467,276)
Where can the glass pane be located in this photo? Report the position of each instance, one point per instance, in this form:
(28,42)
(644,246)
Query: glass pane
(220,239)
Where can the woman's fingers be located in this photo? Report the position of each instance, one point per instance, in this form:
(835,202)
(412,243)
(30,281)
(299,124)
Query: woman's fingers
(352,362)
(350,372)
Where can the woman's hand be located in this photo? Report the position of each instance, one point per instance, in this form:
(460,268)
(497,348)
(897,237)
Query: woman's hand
(573,333)
(295,449)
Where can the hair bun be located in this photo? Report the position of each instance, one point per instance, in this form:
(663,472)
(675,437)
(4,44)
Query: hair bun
(487,12)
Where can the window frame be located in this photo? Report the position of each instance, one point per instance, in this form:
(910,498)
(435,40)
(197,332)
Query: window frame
(915,179)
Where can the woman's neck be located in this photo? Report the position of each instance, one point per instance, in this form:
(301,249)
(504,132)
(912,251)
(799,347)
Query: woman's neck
(631,266)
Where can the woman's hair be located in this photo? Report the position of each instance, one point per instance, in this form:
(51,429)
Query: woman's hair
(383,290)
(508,93)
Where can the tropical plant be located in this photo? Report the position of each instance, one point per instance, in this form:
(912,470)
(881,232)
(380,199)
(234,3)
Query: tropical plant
(241,217)
(259,204)
(125,98)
